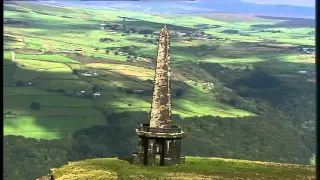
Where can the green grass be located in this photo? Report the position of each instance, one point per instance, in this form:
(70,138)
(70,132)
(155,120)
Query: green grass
(52,58)
(48,127)
(195,168)
(8,72)
(201,105)
(57,100)
(24,91)
(38,64)
(57,113)
(13,44)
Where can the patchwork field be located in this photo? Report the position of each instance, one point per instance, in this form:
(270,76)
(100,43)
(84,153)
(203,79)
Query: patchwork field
(45,45)
(78,79)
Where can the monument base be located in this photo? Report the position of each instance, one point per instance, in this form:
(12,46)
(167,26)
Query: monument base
(159,146)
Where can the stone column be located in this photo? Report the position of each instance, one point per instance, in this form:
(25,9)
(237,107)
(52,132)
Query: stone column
(141,150)
(167,152)
(172,154)
(177,151)
(151,156)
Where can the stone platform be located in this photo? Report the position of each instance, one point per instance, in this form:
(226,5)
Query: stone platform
(159,146)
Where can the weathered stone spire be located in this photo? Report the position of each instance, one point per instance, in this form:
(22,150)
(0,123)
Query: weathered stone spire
(161,101)
(159,141)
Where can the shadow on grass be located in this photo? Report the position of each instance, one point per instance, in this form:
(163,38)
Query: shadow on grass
(128,159)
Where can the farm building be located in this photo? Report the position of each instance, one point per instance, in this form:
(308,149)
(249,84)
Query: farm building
(79,92)
(86,74)
(21,84)
(96,95)
(306,50)
(303,72)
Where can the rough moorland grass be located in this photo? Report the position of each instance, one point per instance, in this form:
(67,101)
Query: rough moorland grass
(195,168)
(53,58)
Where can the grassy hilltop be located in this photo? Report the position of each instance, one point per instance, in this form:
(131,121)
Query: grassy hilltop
(195,168)
(243,86)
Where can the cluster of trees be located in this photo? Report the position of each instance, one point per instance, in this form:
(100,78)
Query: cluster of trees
(207,26)
(106,40)
(23,84)
(35,106)
(230,31)
(132,52)
(125,29)
(264,94)
(28,158)
(146,31)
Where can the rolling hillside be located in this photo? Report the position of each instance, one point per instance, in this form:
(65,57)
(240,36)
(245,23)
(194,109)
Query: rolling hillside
(78,80)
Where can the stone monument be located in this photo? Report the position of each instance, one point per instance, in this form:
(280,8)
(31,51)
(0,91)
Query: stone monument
(160,141)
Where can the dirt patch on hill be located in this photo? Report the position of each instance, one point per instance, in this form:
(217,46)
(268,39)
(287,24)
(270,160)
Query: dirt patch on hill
(311,60)
(28,51)
(89,60)
(311,80)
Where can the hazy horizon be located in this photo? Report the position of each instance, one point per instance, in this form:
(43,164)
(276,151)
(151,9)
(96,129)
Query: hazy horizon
(248,7)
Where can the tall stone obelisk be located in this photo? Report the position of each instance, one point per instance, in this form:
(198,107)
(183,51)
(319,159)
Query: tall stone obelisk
(161,101)
(159,141)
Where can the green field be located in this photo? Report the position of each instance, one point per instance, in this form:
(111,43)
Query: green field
(53,58)
(37,127)
(195,168)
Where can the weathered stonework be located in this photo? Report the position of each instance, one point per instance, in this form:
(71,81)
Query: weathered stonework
(159,141)
(159,146)
(161,101)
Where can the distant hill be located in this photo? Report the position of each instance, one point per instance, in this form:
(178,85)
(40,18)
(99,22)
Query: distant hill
(206,6)
(237,6)
(195,168)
